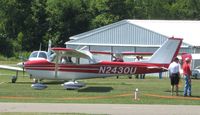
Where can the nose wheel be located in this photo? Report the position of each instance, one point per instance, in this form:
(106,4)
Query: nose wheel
(14,79)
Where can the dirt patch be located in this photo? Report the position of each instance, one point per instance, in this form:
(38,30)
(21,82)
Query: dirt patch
(172,97)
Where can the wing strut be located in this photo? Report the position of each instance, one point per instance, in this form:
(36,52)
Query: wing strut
(56,66)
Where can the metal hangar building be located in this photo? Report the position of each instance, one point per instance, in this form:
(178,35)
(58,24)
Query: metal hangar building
(139,36)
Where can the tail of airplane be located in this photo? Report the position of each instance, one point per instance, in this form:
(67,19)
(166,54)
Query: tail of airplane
(167,52)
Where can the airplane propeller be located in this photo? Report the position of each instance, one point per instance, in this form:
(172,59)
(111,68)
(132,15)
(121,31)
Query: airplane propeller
(21,64)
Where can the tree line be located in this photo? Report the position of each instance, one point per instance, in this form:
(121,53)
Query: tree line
(24,24)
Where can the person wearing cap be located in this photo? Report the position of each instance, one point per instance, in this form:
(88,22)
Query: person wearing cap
(174,73)
(141,76)
(118,58)
(187,73)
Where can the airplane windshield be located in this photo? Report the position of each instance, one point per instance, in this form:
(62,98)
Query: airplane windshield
(38,54)
(42,55)
(33,55)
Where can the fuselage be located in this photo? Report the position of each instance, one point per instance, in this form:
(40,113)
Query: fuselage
(43,69)
(71,64)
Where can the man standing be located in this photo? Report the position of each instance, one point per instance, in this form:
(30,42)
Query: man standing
(187,73)
(174,74)
(141,76)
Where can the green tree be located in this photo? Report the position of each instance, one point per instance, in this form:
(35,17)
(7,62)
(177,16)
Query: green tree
(24,24)
(186,9)
(66,18)
(19,41)
(103,12)
(138,9)
(160,9)
(16,14)
(8,28)
(103,19)
(27,17)
(39,25)
(6,46)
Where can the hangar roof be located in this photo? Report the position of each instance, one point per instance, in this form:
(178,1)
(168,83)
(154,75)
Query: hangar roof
(186,29)
(136,32)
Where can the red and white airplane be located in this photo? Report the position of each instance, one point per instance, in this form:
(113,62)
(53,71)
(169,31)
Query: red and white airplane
(72,65)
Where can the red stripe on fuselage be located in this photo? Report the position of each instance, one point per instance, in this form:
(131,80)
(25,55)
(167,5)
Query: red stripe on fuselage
(103,67)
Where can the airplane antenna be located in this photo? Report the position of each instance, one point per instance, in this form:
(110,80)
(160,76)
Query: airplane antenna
(40,47)
(49,47)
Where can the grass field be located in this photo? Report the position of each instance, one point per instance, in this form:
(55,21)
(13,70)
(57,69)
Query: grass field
(25,113)
(103,90)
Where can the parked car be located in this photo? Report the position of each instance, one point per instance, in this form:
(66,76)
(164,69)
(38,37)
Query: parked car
(196,73)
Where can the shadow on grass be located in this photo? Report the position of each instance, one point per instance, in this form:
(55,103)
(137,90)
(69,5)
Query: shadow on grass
(194,96)
(19,82)
(96,89)
(43,82)
(170,91)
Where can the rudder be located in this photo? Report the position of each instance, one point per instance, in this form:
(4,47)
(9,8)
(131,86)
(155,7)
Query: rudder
(166,53)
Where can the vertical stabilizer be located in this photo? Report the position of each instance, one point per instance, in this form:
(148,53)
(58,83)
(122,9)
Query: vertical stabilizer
(166,53)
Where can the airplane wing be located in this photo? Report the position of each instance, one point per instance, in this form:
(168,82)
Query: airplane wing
(6,67)
(74,53)
(123,53)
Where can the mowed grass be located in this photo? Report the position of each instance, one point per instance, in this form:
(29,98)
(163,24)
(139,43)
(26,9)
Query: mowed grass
(101,90)
(25,113)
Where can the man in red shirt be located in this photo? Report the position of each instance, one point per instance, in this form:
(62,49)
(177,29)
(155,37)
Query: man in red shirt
(187,73)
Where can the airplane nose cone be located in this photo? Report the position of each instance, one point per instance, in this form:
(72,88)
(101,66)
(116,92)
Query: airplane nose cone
(20,64)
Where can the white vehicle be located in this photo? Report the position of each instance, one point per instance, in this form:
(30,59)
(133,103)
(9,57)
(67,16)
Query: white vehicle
(196,73)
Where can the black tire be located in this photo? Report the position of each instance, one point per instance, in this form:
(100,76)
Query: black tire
(195,76)
(14,79)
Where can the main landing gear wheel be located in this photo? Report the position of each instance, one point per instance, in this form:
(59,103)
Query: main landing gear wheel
(72,85)
(39,86)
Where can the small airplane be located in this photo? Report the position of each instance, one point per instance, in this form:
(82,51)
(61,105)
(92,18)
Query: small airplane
(70,64)
(35,55)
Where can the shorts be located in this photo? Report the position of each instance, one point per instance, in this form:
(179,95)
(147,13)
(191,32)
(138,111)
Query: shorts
(174,79)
